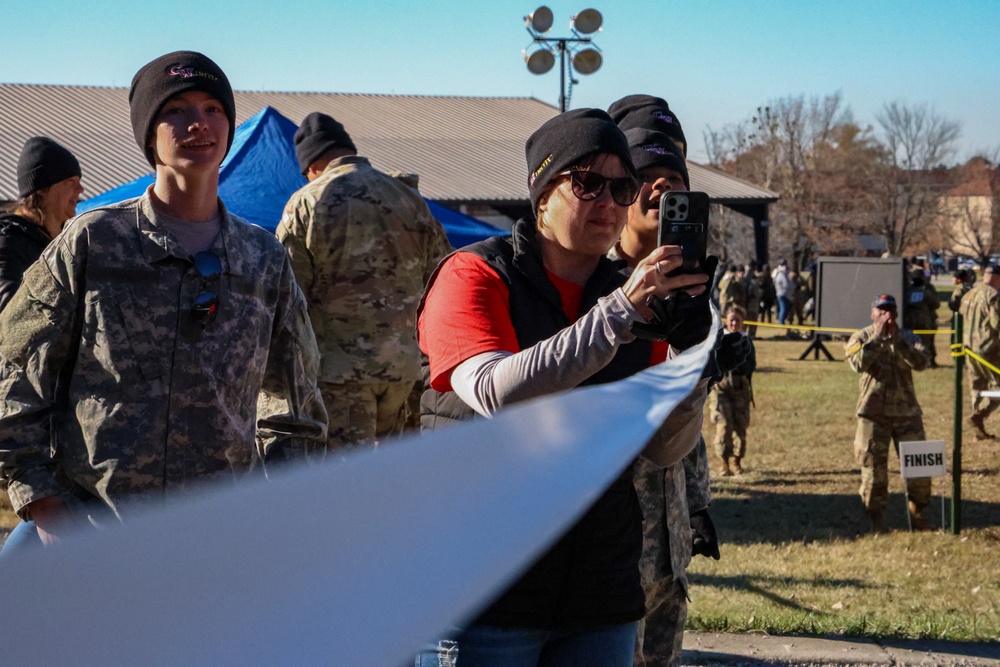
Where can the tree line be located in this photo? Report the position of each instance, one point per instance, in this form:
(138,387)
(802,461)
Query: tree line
(839,181)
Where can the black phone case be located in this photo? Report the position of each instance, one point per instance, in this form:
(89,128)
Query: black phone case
(684,222)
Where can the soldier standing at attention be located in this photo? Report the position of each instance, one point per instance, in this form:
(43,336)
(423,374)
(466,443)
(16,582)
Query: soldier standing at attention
(160,342)
(885,356)
(363,245)
(980,308)
(922,302)
(730,402)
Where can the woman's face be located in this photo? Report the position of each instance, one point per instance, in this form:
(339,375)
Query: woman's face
(59,201)
(588,228)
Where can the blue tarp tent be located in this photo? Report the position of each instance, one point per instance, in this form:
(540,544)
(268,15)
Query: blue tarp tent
(261,173)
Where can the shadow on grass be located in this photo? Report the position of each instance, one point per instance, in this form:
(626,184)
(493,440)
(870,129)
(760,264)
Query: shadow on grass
(764,586)
(747,515)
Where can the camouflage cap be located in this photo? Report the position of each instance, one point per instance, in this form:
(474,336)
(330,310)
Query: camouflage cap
(884,301)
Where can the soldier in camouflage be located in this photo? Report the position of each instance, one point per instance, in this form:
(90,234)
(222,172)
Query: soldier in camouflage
(674,500)
(885,356)
(363,245)
(730,402)
(752,289)
(922,302)
(160,342)
(980,310)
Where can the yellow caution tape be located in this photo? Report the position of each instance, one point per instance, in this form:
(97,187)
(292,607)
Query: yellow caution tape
(809,328)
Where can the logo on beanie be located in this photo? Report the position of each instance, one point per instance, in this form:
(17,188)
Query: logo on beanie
(188,72)
(664,117)
(538,172)
(653,148)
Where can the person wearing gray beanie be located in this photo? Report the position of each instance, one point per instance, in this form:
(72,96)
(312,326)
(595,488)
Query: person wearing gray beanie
(48,185)
(177,332)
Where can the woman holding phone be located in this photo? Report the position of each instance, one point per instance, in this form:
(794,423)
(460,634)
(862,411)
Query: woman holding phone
(511,319)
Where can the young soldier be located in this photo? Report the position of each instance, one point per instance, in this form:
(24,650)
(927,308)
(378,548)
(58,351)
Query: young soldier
(730,402)
(159,342)
(980,308)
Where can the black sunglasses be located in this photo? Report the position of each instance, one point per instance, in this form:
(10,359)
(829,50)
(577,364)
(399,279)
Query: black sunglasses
(588,185)
(206,304)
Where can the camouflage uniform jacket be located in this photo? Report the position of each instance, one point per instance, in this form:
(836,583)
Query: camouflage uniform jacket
(980,310)
(886,367)
(363,245)
(111,390)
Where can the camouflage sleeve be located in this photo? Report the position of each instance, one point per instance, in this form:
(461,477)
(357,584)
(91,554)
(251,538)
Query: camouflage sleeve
(292,232)
(36,341)
(696,478)
(991,342)
(911,349)
(291,417)
(859,352)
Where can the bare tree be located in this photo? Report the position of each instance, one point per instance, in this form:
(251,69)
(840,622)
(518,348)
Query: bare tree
(917,140)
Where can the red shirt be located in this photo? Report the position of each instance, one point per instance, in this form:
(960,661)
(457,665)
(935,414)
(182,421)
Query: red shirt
(467,312)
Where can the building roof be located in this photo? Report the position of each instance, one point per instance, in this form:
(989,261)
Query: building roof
(465,149)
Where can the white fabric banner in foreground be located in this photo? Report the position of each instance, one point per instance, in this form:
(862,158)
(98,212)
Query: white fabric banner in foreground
(356,562)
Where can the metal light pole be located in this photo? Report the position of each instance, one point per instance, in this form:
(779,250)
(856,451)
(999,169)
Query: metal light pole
(586,57)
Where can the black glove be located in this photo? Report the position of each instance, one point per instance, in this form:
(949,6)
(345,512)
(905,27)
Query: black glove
(681,319)
(732,350)
(704,540)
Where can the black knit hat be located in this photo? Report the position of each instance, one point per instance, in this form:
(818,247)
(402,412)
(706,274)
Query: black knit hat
(158,81)
(651,113)
(317,134)
(655,149)
(561,142)
(42,163)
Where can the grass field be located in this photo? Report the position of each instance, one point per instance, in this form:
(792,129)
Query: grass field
(796,557)
(796,554)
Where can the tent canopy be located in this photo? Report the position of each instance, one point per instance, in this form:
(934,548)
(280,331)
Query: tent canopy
(260,174)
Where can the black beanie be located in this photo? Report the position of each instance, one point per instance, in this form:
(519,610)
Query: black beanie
(317,134)
(170,75)
(655,149)
(651,113)
(42,163)
(562,141)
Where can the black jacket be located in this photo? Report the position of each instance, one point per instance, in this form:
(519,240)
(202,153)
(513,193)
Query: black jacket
(590,578)
(21,243)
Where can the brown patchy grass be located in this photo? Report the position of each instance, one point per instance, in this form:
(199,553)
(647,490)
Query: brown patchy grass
(796,554)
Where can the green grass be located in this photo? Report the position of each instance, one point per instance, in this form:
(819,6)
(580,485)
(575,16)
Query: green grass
(797,557)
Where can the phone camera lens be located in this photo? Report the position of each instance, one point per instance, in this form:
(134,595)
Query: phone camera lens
(671,215)
(682,208)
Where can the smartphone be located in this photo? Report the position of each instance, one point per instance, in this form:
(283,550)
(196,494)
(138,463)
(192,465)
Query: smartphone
(684,222)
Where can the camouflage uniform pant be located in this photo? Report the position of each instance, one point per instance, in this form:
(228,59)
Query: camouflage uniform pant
(871,447)
(361,413)
(980,379)
(660,638)
(732,418)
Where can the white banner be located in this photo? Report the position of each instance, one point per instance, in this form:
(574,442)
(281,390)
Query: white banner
(356,562)
(922,458)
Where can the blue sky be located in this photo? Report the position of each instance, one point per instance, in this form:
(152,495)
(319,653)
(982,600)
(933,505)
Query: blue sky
(714,61)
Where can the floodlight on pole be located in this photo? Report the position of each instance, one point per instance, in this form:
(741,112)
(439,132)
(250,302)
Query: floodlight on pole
(584,56)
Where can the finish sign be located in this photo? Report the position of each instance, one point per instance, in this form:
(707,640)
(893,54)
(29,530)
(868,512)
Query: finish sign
(922,458)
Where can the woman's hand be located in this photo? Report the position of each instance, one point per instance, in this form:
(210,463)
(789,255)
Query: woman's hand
(649,278)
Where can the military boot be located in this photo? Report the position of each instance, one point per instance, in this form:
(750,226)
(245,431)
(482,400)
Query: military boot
(917,519)
(726,472)
(737,468)
(979,427)
(875,515)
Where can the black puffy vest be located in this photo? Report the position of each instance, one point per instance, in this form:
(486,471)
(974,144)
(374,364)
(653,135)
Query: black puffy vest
(590,578)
